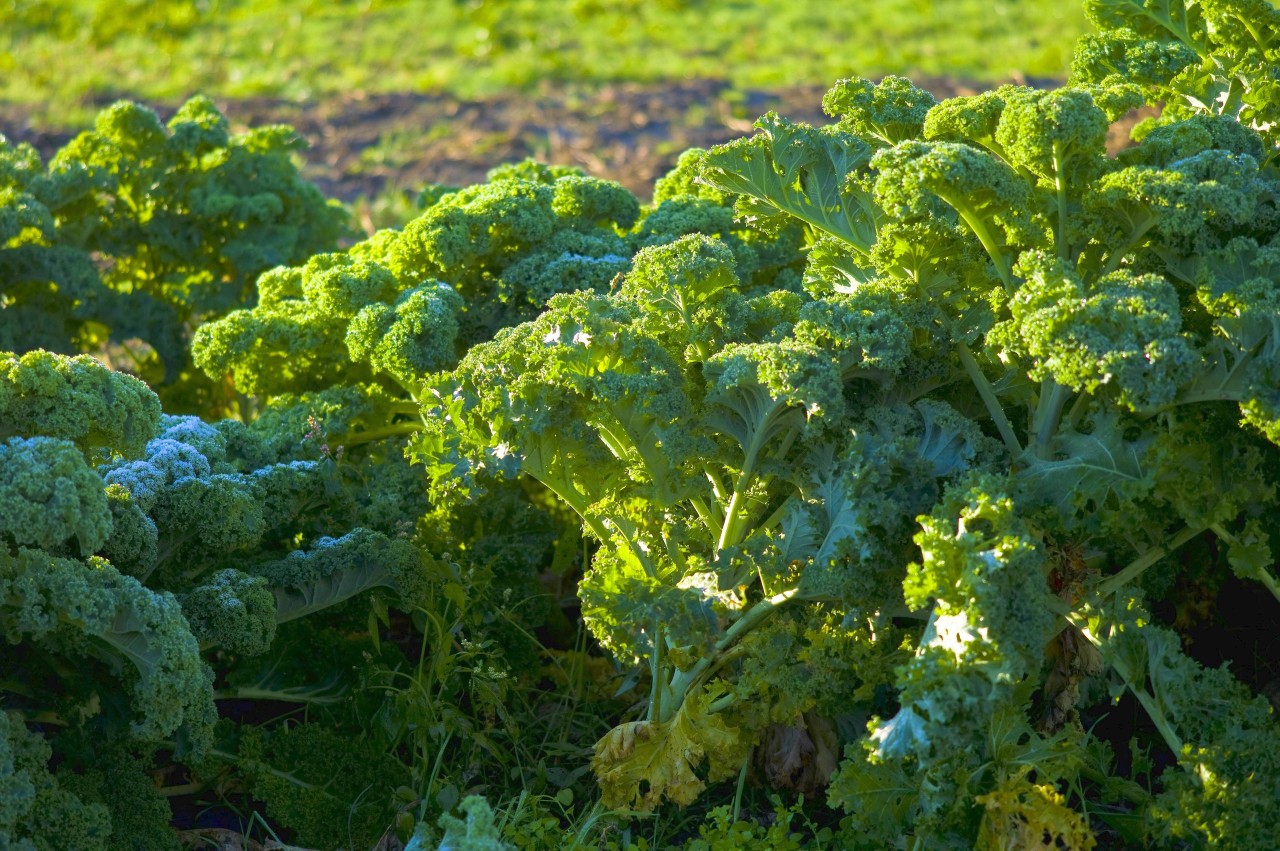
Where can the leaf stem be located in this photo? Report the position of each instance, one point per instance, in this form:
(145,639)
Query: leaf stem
(258,765)
(729,533)
(1078,407)
(1116,257)
(716,486)
(1060,185)
(577,502)
(1139,565)
(1259,574)
(683,680)
(1136,681)
(988,394)
(776,517)
(742,782)
(980,230)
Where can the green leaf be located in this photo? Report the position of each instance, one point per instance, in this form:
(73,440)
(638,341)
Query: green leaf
(1098,471)
(800,171)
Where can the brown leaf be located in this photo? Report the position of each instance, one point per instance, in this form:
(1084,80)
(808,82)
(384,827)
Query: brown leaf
(1074,658)
(801,756)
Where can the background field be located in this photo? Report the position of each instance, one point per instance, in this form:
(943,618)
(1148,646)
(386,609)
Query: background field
(395,94)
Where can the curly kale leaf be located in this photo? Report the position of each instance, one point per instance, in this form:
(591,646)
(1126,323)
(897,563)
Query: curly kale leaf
(987,194)
(1224,737)
(410,338)
(232,610)
(476,833)
(796,170)
(890,111)
(337,569)
(1240,293)
(330,786)
(126,626)
(1121,333)
(282,345)
(1211,57)
(182,217)
(50,496)
(982,574)
(76,399)
(36,811)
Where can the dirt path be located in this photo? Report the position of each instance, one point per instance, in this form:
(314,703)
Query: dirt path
(631,133)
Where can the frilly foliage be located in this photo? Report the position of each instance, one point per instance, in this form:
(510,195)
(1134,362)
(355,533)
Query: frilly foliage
(1000,332)
(876,459)
(137,551)
(138,230)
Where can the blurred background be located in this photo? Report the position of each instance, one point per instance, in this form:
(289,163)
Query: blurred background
(395,95)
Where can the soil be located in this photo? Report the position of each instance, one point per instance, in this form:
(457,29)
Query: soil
(364,144)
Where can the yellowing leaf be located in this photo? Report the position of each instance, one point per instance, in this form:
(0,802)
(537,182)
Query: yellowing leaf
(1023,816)
(640,763)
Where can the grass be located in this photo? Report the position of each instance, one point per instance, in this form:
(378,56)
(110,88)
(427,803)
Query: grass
(59,57)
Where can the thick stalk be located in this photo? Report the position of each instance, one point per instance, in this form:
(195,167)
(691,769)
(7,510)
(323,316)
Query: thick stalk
(182,790)
(274,772)
(412,393)
(724,658)
(656,675)
(703,511)
(717,487)
(776,517)
(730,515)
(1044,423)
(405,406)
(616,444)
(989,399)
(281,695)
(742,783)
(745,520)
(673,553)
(1170,736)
(736,517)
(732,512)
(1268,581)
(1078,407)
